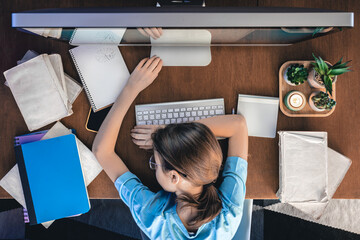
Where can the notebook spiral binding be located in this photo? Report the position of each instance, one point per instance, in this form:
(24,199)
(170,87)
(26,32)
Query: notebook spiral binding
(83,82)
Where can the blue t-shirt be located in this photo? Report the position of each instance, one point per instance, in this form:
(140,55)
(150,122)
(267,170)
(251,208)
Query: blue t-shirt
(155,213)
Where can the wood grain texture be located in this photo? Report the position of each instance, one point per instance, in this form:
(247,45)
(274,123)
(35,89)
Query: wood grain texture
(233,70)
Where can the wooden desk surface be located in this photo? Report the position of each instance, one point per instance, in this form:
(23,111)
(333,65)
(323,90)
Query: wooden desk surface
(233,70)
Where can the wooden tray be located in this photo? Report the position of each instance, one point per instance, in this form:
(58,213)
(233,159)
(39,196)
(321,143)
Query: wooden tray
(284,88)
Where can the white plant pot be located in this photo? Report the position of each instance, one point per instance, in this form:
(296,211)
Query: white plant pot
(286,77)
(315,84)
(311,103)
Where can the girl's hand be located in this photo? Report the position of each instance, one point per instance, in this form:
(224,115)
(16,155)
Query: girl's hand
(141,135)
(145,73)
(155,33)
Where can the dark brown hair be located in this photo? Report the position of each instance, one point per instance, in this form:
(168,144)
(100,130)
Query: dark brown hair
(193,151)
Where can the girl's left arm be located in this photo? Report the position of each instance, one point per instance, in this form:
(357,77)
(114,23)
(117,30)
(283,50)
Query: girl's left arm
(104,144)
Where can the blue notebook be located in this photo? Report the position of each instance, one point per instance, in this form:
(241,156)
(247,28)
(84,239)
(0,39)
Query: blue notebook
(52,179)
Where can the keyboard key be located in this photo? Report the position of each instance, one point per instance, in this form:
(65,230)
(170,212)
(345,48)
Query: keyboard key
(179,120)
(206,112)
(200,113)
(163,115)
(201,108)
(146,112)
(164,110)
(173,120)
(177,110)
(213,107)
(149,122)
(146,117)
(167,121)
(193,113)
(141,123)
(161,122)
(202,117)
(170,110)
(219,111)
(140,118)
(156,122)
(183,109)
(220,107)
(195,108)
(169,115)
(185,119)
(182,114)
(152,117)
(157,116)
(158,111)
(176,114)
(187,114)
(197,118)
(151,112)
(212,112)
(188,109)
(191,119)
(139,113)
(207,107)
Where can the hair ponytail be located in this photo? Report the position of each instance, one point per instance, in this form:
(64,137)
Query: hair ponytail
(208,205)
(192,149)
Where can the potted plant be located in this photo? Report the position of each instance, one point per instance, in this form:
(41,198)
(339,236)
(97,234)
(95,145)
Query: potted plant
(320,101)
(324,75)
(296,74)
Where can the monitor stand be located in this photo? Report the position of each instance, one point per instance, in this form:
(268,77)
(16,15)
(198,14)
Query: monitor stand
(183,55)
(170,46)
(181,3)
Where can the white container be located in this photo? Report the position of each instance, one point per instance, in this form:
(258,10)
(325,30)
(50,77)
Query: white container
(311,102)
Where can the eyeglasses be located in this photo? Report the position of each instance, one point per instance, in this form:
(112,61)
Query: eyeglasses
(153,165)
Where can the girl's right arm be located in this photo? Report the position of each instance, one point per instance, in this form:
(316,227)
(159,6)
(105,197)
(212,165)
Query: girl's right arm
(228,126)
(232,127)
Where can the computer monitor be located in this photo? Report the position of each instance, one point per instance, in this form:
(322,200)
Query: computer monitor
(225,26)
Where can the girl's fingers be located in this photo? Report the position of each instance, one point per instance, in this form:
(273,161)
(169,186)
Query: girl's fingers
(141,130)
(139,136)
(143,32)
(149,61)
(160,30)
(156,32)
(157,69)
(150,33)
(154,64)
(141,63)
(138,142)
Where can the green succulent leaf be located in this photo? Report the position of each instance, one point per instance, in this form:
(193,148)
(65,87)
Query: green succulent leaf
(328,84)
(323,101)
(317,30)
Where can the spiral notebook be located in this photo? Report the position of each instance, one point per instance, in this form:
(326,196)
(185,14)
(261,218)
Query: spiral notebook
(102,71)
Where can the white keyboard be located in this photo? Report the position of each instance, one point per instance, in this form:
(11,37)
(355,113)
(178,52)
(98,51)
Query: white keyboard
(178,112)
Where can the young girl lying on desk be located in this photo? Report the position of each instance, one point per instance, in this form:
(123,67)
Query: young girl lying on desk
(187,159)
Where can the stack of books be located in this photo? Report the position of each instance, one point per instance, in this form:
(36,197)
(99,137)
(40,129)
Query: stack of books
(16,180)
(42,91)
(51,177)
